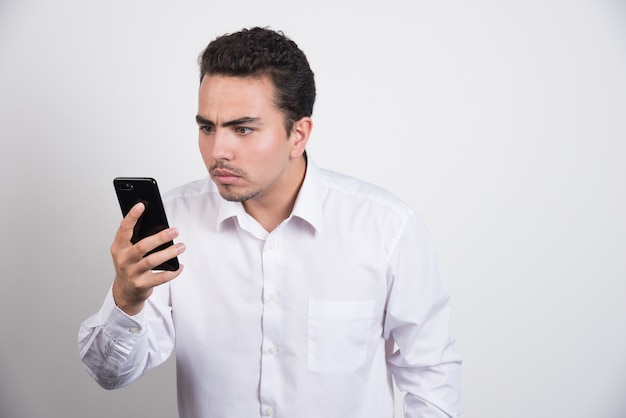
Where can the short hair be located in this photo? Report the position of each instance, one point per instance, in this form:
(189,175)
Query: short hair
(259,52)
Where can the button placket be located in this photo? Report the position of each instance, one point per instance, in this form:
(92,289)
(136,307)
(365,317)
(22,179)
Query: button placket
(271,376)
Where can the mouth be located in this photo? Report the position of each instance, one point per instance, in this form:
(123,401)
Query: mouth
(224,176)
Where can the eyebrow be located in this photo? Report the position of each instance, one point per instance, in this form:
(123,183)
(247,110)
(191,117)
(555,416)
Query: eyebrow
(241,121)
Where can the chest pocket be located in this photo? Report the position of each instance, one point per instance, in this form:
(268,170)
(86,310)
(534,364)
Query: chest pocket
(339,332)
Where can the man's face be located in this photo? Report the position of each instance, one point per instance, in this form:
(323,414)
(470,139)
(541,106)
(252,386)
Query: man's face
(242,137)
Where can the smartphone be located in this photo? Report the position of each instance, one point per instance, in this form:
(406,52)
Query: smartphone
(132,190)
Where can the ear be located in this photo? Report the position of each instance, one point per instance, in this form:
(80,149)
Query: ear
(300,136)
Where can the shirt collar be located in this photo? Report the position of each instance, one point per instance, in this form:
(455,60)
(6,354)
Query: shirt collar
(308,206)
(227,210)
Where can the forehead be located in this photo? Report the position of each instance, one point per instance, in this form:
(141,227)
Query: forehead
(243,94)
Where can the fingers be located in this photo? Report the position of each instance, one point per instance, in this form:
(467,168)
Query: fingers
(131,218)
(134,259)
(152,260)
(124,248)
(139,285)
(130,295)
(148,244)
(135,277)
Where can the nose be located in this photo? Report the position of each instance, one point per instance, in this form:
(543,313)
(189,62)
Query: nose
(222,145)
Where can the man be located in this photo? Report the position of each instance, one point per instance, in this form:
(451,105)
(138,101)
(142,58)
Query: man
(303,290)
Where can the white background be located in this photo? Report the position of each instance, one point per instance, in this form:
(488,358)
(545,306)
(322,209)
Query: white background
(503,123)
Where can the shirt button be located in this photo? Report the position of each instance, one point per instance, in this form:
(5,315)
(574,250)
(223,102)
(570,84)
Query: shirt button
(273,296)
(133,330)
(269,411)
(273,245)
(272,351)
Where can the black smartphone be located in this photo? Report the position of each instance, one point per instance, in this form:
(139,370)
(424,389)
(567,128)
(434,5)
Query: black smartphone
(132,190)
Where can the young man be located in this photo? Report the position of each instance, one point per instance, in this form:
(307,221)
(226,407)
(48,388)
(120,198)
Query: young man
(303,290)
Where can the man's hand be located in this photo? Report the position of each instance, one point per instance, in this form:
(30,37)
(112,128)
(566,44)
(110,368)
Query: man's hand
(134,277)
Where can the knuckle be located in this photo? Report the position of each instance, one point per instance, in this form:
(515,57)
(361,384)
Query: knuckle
(145,264)
(142,247)
(164,236)
(155,259)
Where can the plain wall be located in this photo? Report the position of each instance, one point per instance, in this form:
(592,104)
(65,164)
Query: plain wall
(503,123)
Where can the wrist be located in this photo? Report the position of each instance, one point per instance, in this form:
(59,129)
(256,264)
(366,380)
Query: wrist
(128,307)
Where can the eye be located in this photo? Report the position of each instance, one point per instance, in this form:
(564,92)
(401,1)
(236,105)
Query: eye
(207,129)
(242,130)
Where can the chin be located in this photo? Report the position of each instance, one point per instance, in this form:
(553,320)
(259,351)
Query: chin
(233,196)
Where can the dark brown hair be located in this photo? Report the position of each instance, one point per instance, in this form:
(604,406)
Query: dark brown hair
(259,52)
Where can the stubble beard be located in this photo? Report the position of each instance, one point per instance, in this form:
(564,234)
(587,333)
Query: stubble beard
(232,196)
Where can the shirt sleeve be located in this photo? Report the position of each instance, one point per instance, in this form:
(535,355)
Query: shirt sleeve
(117,349)
(423,361)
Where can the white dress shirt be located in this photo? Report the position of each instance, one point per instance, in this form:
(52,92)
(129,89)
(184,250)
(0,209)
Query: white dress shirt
(310,320)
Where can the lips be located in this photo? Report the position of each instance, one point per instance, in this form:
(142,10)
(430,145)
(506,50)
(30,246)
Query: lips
(223,176)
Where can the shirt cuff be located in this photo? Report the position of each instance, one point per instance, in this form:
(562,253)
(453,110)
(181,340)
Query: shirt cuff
(118,323)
